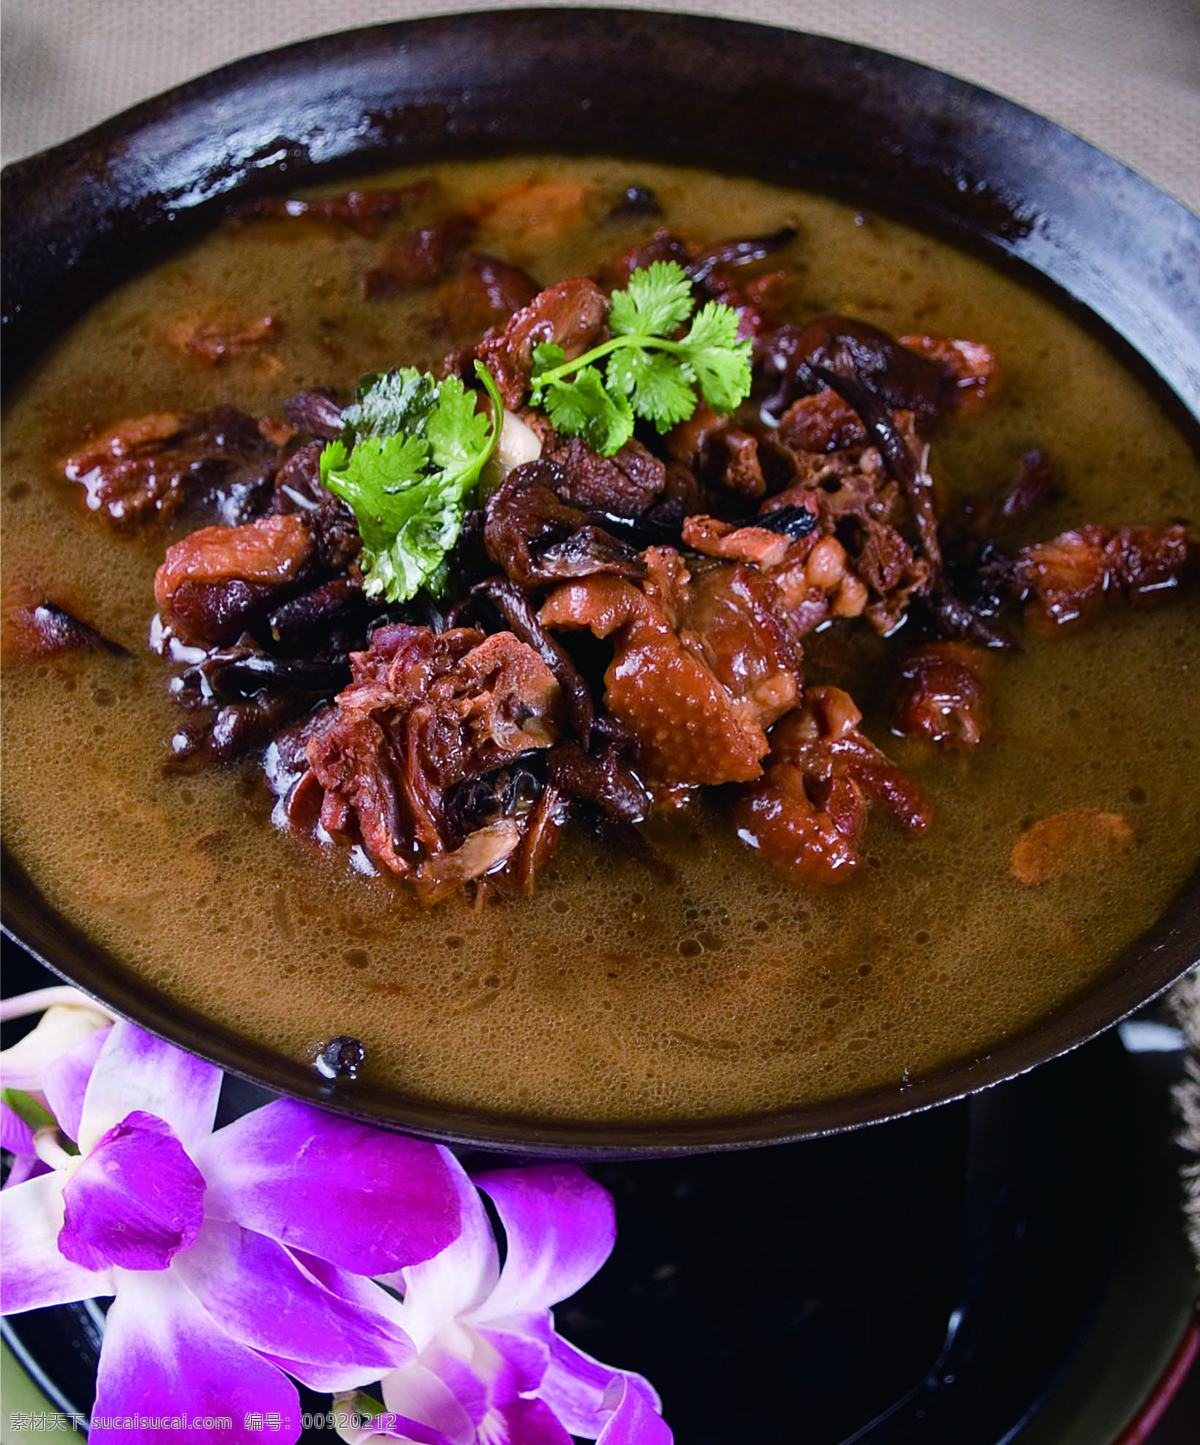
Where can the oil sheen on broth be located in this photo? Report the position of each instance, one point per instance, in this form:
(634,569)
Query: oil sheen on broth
(609,994)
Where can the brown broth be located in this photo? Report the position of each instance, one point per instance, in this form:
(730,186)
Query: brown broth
(608,994)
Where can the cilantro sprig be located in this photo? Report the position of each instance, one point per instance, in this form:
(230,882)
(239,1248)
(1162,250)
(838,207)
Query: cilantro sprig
(649,372)
(413,447)
(407,462)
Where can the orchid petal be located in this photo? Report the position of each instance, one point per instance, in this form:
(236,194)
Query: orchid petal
(69,1017)
(523,1422)
(409,1432)
(324,1379)
(575,1385)
(24,1166)
(526,1355)
(560,1226)
(15,1134)
(388,1426)
(137,1071)
(462,1275)
(135,1201)
(65,1080)
(35,1273)
(470,1368)
(165,1357)
(367,1200)
(39,1000)
(418,1394)
(634,1420)
(355,1288)
(262,1298)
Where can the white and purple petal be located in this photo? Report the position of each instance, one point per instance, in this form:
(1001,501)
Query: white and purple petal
(634,1419)
(324,1379)
(264,1299)
(377,1427)
(575,1386)
(15,1134)
(416,1393)
(24,1166)
(470,1368)
(356,1288)
(365,1199)
(560,1227)
(136,1071)
(522,1422)
(135,1201)
(65,1080)
(69,1017)
(523,1347)
(165,1359)
(43,1000)
(35,1273)
(463,1275)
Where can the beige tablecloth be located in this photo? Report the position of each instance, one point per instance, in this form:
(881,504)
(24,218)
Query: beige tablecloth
(1123,73)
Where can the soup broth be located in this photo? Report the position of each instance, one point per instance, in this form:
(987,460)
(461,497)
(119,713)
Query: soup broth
(612,992)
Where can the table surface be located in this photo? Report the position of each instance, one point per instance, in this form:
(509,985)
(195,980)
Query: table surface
(1126,77)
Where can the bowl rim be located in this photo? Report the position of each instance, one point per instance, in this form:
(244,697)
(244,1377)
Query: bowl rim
(155,173)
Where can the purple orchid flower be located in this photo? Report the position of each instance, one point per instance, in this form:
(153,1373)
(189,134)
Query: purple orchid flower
(67,1037)
(232,1256)
(490,1368)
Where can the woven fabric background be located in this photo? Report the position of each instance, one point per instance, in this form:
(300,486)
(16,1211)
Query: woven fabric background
(1125,75)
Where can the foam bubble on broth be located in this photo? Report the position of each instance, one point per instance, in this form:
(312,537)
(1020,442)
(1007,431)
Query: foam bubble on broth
(609,994)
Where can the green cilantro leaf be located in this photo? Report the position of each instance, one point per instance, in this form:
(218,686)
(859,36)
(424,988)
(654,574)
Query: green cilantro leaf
(415,449)
(408,519)
(657,300)
(456,432)
(720,361)
(546,356)
(660,385)
(397,401)
(649,371)
(584,408)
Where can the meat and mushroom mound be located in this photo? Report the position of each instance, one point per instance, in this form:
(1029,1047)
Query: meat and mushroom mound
(610,633)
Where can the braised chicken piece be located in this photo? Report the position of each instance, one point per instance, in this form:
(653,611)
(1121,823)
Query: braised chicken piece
(943,694)
(571,314)
(483,292)
(821,422)
(217,335)
(531,213)
(44,629)
(152,465)
(1065,580)
(808,812)
(702,667)
(365,212)
(719,452)
(973,366)
(214,580)
(861,506)
(1079,840)
(419,259)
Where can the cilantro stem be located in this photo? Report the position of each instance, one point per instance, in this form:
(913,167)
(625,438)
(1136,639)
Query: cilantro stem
(493,394)
(606,348)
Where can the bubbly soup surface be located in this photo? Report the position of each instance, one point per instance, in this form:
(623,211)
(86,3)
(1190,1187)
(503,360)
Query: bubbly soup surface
(609,994)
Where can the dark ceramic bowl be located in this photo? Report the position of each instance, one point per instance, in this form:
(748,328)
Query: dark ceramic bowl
(797,109)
